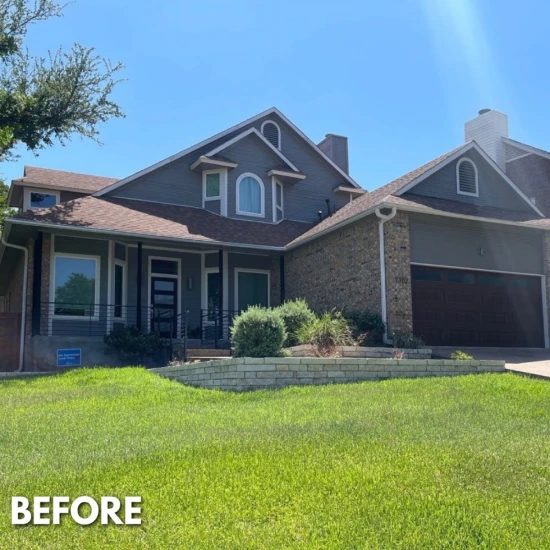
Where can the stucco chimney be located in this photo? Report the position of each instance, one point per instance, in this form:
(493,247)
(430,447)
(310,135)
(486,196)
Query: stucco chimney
(336,149)
(487,129)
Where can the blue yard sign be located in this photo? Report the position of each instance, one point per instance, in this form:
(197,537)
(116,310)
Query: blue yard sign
(69,358)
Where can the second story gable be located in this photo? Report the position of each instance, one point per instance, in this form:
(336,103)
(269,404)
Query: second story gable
(262,170)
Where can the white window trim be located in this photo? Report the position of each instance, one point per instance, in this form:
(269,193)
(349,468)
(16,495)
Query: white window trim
(179,294)
(222,197)
(262,196)
(278,130)
(124,265)
(476,194)
(275,206)
(239,270)
(27,197)
(95,316)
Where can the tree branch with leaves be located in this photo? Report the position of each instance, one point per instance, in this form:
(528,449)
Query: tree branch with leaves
(43,99)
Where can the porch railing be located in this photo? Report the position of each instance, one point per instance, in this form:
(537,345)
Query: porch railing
(215,327)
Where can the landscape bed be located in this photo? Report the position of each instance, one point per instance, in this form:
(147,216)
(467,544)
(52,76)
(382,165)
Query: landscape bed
(422,463)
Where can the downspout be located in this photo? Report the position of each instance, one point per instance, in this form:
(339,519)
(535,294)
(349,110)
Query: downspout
(383,219)
(23,300)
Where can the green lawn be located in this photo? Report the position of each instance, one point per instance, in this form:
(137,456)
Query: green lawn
(435,463)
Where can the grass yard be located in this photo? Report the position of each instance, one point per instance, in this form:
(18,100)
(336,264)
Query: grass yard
(435,463)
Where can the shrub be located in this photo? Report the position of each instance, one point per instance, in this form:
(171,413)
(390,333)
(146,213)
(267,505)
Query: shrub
(407,340)
(326,333)
(131,343)
(258,332)
(295,314)
(461,356)
(367,327)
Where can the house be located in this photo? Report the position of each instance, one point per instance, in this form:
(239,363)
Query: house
(456,250)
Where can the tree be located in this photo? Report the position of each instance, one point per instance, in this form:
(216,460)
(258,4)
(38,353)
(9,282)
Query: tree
(49,98)
(5,211)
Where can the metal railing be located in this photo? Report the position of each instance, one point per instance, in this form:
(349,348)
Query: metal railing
(215,327)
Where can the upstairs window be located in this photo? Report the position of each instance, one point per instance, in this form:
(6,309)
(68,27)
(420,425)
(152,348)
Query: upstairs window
(272,132)
(34,198)
(250,195)
(212,186)
(466,178)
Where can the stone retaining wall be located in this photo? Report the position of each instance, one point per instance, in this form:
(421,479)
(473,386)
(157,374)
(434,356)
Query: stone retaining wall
(240,374)
(305,350)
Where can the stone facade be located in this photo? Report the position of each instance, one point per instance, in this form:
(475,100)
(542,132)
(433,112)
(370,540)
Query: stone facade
(275,281)
(241,374)
(306,350)
(398,274)
(339,270)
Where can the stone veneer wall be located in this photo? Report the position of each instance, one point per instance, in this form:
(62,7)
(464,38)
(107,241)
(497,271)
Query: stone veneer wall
(241,374)
(338,270)
(306,350)
(398,273)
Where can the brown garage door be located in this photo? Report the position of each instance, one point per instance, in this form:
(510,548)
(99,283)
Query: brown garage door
(454,307)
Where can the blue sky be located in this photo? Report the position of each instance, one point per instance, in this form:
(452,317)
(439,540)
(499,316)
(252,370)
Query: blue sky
(399,78)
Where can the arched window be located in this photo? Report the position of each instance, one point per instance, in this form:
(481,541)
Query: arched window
(250,195)
(466,178)
(272,132)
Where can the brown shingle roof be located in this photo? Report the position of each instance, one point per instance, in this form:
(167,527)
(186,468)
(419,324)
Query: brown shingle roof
(164,220)
(83,183)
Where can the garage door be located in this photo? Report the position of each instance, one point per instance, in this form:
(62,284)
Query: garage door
(472,308)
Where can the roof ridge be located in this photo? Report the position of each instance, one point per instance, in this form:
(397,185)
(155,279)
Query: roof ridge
(27,166)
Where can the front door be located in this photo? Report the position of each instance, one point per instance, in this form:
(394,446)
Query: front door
(164,303)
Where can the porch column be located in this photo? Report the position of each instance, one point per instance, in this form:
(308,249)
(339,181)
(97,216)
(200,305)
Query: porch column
(37,284)
(282,277)
(220,292)
(139,282)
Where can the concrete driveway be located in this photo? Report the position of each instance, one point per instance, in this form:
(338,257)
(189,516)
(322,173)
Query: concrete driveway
(535,362)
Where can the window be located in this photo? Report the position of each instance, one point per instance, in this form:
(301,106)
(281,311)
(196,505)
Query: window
(250,195)
(120,289)
(272,132)
(251,288)
(278,213)
(34,198)
(41,200)
(164,267)
(76,285)
(466,178)
(425,274)
(212,186)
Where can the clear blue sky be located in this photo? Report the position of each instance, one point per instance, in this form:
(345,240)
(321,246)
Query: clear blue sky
(399,78)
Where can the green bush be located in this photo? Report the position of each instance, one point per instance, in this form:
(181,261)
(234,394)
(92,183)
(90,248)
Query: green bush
(407,340)
(258,332)
(326,333)
(131,343)
(461,356)
(295,314)
(367,327)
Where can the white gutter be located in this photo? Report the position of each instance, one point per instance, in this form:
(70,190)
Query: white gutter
(23,301)
(383,219)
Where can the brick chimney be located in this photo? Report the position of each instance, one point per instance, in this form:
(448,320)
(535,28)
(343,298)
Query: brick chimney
(336,149)
(487,129)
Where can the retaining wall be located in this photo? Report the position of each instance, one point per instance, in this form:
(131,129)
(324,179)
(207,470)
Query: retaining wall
(240,374)
(305,350)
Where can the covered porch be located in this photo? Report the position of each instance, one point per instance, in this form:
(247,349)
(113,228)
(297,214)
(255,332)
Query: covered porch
(86,285)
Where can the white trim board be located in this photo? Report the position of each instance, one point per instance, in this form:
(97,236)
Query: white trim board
(27,191)
(527,148)
(168,160)
(240,212)
(454,156)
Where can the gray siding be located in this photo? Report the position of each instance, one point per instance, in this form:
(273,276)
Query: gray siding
(177,184)
(532,175)
(65,196)
(453,242)
(493,189)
